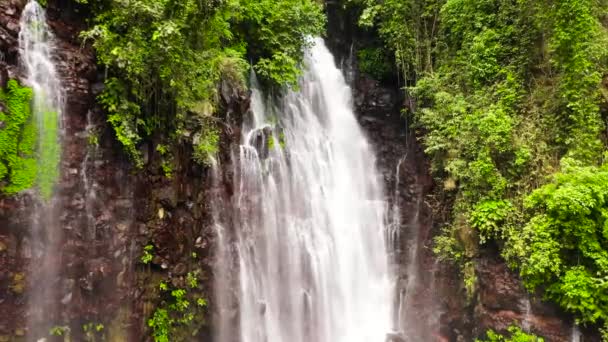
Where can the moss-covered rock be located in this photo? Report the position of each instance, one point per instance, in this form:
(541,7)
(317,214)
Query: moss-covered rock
(17,139)
(49,153)
(29,147)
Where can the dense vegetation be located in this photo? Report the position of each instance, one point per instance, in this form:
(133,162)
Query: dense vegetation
(511,110)
(167,58)
(515,335)
(169,62)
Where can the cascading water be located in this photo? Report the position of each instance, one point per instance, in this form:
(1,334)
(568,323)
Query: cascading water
(526,305)
(36,51)
(409,321)
(394,229)
(309,219)
(575,334)
(88,168)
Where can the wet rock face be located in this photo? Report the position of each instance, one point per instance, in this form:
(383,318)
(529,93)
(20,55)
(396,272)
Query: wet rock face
(107,212)
(93,245)
(9,31)
(175,216)
(501,301)
(423,291)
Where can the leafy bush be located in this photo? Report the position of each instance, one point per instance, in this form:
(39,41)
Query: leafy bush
(167,58)
(505,90)
(160,324)
(409,28)
(374,62)
(516,335)
(565,243)
(175,319)
(206,145)
(578,48)
(488,217)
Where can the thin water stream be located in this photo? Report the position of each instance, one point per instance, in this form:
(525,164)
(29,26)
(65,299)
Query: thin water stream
(36,55)
(526,305)
(576,333)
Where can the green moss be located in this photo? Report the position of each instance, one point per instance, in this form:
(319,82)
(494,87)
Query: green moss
(17,139)
(18,284)
(271,143)
(29,148)
(49,155)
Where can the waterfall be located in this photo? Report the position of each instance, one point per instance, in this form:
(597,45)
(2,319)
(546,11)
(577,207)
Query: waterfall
(309,213)
(526,305)
(410,323)
(88,168)
(576,333)
(223,321)
(394,229)
(36,51)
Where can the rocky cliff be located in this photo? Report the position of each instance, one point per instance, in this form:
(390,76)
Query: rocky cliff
(110,213)
(440,309)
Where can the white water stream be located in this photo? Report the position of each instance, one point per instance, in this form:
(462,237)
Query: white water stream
(309,219)
(36,56)
(36,51)
(576,333)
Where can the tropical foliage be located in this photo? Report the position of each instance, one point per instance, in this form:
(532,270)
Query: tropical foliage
(511,111)
(166,59)
(511,107)
(515,335)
